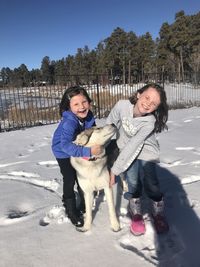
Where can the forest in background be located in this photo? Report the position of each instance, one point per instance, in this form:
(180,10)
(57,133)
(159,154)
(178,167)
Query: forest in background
(122,54)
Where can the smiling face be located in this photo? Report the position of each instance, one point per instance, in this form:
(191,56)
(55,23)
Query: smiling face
(147,102)
(80,106)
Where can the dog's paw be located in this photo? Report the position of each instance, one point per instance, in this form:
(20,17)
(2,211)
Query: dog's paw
(116,230)
(116,227)
(82,229)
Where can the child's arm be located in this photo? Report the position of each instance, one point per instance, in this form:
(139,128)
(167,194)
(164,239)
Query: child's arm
(114,115)
(96,150)
(72,149)
(68,135)
(112,179)
(131,150)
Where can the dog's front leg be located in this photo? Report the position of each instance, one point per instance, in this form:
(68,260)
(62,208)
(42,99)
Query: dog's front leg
(88,214)
(111,208)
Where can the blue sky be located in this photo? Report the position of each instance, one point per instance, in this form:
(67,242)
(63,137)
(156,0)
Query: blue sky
(33,29)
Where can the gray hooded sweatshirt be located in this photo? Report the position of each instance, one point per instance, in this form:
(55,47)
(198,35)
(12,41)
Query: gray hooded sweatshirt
(135,137)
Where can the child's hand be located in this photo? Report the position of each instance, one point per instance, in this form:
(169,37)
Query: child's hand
(112,179)
(96,150)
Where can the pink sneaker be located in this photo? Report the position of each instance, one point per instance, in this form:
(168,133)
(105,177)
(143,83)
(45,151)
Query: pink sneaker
(137,225)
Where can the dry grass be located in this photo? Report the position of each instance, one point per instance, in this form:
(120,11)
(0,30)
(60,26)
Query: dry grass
(105,100)
(32,115)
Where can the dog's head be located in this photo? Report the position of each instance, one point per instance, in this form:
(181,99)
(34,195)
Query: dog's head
(96,135)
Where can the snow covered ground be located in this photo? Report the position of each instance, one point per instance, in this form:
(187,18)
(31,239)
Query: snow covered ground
(31,189)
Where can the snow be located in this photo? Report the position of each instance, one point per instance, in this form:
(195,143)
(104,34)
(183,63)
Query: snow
(30,196)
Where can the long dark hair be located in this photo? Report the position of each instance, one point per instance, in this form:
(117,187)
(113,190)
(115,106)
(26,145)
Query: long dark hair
(68,94)
(161,113)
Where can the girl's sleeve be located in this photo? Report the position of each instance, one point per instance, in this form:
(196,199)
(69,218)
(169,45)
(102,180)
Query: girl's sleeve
(67,145)
(114,115)
(131,150)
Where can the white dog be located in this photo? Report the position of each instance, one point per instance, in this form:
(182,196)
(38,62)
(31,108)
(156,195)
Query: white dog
(93,174)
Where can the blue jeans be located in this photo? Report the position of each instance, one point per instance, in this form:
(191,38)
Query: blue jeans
(150,182)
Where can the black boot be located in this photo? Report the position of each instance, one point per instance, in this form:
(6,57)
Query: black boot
(72,213)
(81,207)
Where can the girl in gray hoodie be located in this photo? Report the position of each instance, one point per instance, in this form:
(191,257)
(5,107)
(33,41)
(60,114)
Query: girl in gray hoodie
(138,120)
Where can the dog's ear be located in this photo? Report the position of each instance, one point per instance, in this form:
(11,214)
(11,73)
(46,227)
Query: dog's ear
(83,138)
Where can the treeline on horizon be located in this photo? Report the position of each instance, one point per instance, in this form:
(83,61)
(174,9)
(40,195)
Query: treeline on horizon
(177,50)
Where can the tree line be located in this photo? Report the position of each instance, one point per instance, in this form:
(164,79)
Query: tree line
(124,54)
